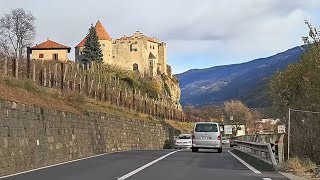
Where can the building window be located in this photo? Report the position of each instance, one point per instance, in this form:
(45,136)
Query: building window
(150,47)
(134,47)
(103,45)
(41,55)
(55,56)
(150,63)
(135,67)
(153,47)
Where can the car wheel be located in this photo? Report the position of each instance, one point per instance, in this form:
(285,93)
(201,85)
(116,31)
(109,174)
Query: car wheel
(194,149)
(220,150)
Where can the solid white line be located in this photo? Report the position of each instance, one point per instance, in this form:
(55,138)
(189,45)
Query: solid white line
(244,163)
(267,179)
(145,166)
(45,167)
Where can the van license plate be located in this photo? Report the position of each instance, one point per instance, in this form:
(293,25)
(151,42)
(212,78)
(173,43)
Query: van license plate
(205,137)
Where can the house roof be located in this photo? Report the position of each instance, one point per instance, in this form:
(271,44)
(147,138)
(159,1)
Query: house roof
(101,33)
(49,44)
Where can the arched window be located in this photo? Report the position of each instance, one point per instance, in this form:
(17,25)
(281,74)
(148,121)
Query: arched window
(135,67)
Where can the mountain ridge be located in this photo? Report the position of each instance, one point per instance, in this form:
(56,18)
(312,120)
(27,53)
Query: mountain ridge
(245,81)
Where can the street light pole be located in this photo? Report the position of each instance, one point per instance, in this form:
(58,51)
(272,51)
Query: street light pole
(289,129)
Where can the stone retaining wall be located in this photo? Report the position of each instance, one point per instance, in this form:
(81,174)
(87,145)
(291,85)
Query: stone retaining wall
(32,137)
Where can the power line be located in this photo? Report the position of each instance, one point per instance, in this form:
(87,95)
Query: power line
(297,110)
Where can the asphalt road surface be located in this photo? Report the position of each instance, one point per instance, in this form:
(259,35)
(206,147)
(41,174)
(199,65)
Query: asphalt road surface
(153,165)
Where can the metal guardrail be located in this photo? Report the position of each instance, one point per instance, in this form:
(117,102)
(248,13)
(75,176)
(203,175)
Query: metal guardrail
(260,149)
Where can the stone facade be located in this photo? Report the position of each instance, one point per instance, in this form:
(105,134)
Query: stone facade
(32,137)
(138,52)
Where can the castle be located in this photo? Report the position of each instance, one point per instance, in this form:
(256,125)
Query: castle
(138,52)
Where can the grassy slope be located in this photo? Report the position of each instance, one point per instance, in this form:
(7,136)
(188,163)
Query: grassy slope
(28,93)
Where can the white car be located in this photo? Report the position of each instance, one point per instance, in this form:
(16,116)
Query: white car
(206,135)
(183,141)
(225,140)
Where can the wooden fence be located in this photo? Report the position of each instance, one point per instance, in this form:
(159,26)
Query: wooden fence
(91,81)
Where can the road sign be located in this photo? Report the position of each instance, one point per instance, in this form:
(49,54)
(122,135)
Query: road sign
(227,129)
(231,118)
(281,129)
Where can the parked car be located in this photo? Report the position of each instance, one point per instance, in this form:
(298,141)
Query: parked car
(206,135)
(183,141)
(225,140)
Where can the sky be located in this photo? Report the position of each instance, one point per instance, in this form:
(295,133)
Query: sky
(199,34)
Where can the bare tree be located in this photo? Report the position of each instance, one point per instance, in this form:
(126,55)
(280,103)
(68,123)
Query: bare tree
(239,112)
(17,31)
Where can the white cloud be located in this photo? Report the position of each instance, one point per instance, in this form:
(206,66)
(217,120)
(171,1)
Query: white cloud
(238,29)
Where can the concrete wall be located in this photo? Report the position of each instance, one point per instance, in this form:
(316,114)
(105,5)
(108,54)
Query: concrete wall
(64,136)
(48,54)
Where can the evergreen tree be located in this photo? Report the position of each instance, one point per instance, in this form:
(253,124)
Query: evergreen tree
(92,48)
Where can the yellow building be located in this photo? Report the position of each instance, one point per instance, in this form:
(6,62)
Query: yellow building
(138,52)
(50,50)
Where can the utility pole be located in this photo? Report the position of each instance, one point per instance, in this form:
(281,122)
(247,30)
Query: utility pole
(289,119)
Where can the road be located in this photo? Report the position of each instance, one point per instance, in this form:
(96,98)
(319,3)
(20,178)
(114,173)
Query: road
(152,165)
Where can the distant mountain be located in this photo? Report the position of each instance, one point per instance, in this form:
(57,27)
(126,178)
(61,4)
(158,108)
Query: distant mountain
(245,81)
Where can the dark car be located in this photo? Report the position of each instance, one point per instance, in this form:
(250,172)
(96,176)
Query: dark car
(232,144)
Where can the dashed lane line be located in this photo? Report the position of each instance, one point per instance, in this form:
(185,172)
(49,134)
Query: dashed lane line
(145,166)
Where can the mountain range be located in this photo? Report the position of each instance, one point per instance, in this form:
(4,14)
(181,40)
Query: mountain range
(247,81)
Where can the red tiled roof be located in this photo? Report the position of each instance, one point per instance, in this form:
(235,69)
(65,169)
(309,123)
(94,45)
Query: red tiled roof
(151,40)
(101,33)
(50,45)
(126,38)
(131,38)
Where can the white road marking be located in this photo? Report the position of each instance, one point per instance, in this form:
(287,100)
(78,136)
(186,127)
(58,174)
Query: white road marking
(267,179)
(45,167)
(244,163)
(145,166)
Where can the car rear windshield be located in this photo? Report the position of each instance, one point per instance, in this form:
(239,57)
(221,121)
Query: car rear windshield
(184,137)
(206,128)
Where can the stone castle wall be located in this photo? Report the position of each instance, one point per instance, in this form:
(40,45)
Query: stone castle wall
(32,137)
(119,52)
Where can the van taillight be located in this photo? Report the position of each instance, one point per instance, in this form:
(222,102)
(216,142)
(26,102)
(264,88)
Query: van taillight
(193,136)
(219,137)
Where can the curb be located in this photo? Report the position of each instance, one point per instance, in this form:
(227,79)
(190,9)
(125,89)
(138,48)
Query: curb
(254,161)
(293,177)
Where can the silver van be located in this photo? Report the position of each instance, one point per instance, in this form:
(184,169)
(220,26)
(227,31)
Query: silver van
(206,135)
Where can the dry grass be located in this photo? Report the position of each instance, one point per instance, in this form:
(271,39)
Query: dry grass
(302,167)
(28,93)
(184,127)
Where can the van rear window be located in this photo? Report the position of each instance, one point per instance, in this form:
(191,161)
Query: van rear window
(206,128)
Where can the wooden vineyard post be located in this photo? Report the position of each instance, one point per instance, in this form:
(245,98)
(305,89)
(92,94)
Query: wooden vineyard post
(62,76)
(15,67)
(33,71)
(5,67)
